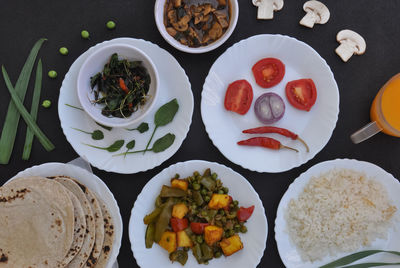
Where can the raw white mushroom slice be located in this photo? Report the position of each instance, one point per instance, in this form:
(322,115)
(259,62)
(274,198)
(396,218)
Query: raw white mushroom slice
(317,13)
(350,43)
(266,8)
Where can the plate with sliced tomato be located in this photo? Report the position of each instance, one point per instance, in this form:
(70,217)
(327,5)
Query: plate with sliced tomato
(270,103)
(195,213)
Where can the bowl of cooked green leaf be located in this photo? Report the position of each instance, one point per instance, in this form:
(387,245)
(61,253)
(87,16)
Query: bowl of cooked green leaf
(117,85)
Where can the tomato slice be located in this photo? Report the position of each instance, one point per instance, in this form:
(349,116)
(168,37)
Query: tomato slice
(244,214)
(197,227)
(238,97)
(301,93)
(268,72)
(179,224)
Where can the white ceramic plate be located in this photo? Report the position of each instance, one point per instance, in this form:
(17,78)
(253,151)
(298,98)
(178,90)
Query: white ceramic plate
(254,241)
(287,250)
(95,184)
(225,128)
(173,83)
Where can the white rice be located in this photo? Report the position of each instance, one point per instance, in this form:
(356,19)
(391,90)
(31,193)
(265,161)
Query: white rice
(339,211)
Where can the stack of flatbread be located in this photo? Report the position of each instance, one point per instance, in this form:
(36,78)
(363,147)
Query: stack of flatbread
(53,222)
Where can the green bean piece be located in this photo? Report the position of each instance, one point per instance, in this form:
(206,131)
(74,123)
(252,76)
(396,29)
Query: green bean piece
(52,74)
(167,191)
(85,34)
(207,173)
(209,183)
(243,229)
(217,254)
(199,239)
(198,199)
(180,256)
(63,51)
(196,173)
(111,25)
(197,253)
(207,252)
(149,237)
(196,186)
(152,217)
(163,219)
(158,202)
(212,213)
(203,213)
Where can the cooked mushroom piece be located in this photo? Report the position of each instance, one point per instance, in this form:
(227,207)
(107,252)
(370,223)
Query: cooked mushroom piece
(171,31)
(221,3)
(171,16)
(177,3)
(350,43)
(183,24)
(317,12)
(266,8)
(221,17)
(215,32)
(207,9)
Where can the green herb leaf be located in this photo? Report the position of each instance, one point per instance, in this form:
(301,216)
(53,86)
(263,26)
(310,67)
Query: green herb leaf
(163,143)
(166,113)
(34,110)
(130,145)
(143,127)
(27,117)
(370,264)
(355,257)
(103,126)
(112,148)
(97,135)
(10,126)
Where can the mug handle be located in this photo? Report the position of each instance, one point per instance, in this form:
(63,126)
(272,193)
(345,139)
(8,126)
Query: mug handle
(365,133)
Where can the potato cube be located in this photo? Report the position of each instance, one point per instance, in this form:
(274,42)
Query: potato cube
(219,201)
(181,184)
(168,241)
(212,234)
(184,240)
(179,210)
(231,245)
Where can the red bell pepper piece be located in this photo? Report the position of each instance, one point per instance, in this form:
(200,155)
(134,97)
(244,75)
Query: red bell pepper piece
(179,224)
(198,227)
(244,214)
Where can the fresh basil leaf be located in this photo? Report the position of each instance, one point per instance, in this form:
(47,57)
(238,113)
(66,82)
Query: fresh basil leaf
(166,113)
(97,135)
(163,143)
(143,127)
(130,145)
(115,146)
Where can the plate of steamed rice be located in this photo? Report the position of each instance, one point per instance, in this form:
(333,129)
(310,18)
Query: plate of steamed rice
(337,208)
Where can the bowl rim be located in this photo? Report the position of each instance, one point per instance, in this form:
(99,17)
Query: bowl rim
(107,121)
(159,17)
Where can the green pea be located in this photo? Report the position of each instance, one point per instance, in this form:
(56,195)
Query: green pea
(63,51)
(199,239)
(176,176)
(203,192)
(52,74)
(223,219)
(217,254)
(46,104)
(243,229)
(203,213)
(110,25)
(222,212)
(196,186)
(231,232)
(214,176)
(235,203)
(207,198)
(85,34)
(221,192)
(225,189)
(196,173)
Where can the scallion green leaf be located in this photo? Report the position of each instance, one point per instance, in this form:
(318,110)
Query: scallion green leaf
(355,257)
(24,113)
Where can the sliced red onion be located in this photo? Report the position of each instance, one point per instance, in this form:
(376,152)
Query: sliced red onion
(269,108)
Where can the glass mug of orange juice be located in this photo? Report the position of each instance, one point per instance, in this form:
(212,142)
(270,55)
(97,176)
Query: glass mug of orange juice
(385,112)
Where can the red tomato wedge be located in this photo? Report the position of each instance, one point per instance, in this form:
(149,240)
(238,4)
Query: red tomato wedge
(179,224)
(244,214)
(268,72)
(238,97)
(301,93)
(197,227)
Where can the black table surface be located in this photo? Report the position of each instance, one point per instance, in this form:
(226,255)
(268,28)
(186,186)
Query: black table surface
(23,22)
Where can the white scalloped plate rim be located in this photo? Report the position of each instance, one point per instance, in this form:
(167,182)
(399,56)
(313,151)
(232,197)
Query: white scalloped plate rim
(213,94)
(288,252)
(91,181)
(104,160)
(257,225)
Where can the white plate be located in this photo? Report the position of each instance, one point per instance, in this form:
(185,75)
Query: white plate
(225,127)
(173,84)
(95,184)
(254,241)
(288,252)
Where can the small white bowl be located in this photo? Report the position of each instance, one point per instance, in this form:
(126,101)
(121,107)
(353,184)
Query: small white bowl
(94,63)
(159,17)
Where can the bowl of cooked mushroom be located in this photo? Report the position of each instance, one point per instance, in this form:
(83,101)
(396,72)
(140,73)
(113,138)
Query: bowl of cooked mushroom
(196,26)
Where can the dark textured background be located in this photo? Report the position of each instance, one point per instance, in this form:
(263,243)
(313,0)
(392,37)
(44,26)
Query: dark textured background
(23,22)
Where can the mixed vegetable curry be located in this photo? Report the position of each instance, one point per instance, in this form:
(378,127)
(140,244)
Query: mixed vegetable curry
(196,213)
(196,23)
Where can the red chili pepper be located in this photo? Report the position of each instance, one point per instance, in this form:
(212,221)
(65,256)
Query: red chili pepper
(277,130)
(179,224)
(266,143)
(244,214)
(123,86)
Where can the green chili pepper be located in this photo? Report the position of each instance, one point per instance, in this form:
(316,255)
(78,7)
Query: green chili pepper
(152,217)
(163,220)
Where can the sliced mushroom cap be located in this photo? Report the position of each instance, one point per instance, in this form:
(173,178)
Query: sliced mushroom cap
(221,3)
(350,43)
(221,17)
(266,8)
(183,24)
(317,12)
(177,3)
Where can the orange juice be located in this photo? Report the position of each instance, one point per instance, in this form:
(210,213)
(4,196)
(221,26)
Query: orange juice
(385,109)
